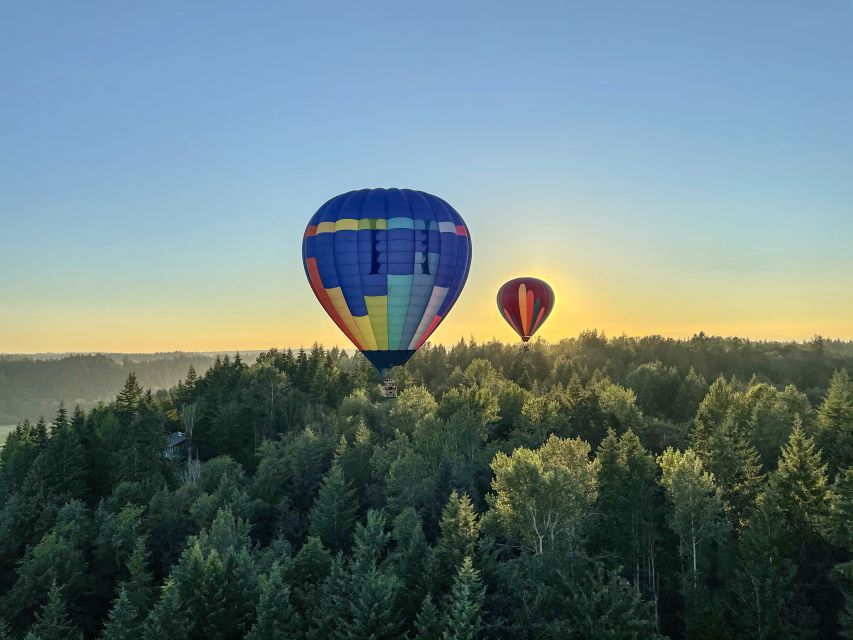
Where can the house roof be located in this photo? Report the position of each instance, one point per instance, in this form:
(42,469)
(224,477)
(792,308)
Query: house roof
(176,438)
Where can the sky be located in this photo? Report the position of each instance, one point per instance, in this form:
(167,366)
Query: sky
(669,167)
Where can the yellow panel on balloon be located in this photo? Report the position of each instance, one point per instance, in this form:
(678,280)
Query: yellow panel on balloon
(377,311)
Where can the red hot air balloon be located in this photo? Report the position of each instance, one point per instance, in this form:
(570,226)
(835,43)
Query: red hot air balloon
(525,304)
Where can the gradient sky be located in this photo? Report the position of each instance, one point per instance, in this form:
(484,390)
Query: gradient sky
(669,167)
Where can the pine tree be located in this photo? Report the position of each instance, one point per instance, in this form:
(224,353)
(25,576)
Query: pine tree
(627,500)
(428,622)
(735,464)
(845,573)
(721,400)
(276,617)
(129,400)
(334,511)
(696,516)
(835,422)
(52,622)
(840,532)
(371,589)
(797,493)
(307,573)
(169,619)
(139,584)
(61,422)
(462,614)
(5,632)
(762,588)
(123,621)
(412,561)
(459,532)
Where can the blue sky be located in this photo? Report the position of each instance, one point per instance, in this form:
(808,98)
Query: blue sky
(670,167)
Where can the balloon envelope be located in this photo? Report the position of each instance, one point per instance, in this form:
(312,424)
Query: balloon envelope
(525,303)
(387,266)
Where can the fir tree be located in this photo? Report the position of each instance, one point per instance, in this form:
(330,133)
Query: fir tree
(835,422)
(797,493)
(627,499)
(412,561)
(696,517)
(735,464)
(428,622)
(128,401)
(61,421)
(458,537)
(276,617)
(139,584)
(169,619)
(462,613)
(371,590)
(123,621)
(333,513)
(52,622)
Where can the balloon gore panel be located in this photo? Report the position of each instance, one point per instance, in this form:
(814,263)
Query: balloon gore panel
(387,265)
(525,303)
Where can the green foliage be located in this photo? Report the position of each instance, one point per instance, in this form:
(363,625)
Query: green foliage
(462,614)
(168,620)
(276,617)
(696,516)
(123,622)
(542,497)
(53,622)
(333,514)
(735,464)
(628,504)
(835,421)
(545,494)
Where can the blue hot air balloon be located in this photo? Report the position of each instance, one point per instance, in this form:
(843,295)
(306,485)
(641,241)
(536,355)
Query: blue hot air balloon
(387,265)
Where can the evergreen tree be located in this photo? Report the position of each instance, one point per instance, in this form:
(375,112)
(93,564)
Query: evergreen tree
(835,422)
(139,584)
(763,604)
(628,495)
(52,622)
(129,400)
(462,613)
(123,622)
(797,494)
(459,532)
(371,589)
(61,421)
(428,621)
(696,516)
(797,497)
(333,513)
(721,401)
(169,620)
(276,617)
(412,561)
(845,573)
(735,464)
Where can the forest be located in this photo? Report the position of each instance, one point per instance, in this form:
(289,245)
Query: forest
(618,488)
(32,386)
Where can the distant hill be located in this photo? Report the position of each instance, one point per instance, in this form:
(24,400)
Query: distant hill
(33,385)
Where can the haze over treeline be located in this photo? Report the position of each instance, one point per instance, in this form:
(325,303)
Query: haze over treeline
(621,489)
(33,385)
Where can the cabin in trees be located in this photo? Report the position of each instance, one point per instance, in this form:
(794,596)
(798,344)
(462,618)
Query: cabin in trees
(176,445)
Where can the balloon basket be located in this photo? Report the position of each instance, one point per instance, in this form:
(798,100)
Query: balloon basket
(524,348)
(388,389)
